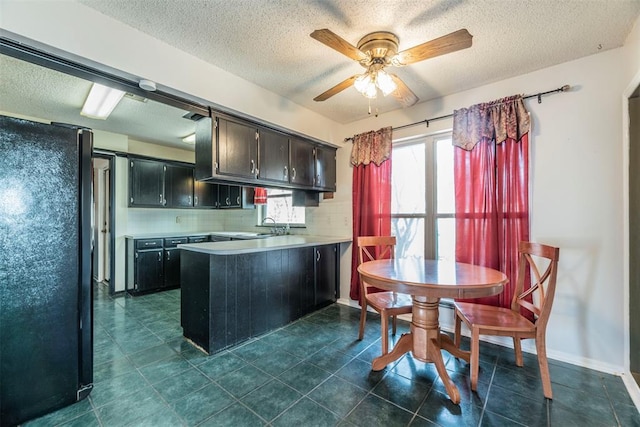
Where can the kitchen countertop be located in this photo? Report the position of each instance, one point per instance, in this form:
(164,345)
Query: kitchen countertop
(237,247)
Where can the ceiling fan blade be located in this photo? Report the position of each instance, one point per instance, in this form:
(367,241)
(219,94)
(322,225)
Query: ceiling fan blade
(403,94)
(336,42)
(336,89)
(457,40)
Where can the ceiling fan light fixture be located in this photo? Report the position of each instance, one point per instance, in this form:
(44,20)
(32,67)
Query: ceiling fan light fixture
(370,91)
(362,82)
(385,83)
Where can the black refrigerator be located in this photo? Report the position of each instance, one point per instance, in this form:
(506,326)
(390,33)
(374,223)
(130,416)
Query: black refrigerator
(46,354)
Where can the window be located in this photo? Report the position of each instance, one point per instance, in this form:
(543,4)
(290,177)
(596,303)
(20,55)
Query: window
(422,198)
(280,207)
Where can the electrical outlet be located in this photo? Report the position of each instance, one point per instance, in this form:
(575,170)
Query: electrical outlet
(178,220)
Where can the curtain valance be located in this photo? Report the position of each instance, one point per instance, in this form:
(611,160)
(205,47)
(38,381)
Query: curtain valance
(496,120)
(372,146)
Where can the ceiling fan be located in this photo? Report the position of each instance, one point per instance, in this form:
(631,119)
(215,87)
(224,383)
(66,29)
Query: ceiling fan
(379,50)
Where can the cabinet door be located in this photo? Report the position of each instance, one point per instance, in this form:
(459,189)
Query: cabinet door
(237,149)
(148,270)
(326,168)
(301,287)
(178,186)
(205,195)
(230,196)
(274,156)
(325,274)
(171,268)
(302,163)
(146,183)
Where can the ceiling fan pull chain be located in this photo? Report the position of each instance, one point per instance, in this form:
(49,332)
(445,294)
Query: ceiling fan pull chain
(369,106)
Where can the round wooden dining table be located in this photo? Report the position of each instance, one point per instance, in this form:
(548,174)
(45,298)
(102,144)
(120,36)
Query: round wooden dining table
(427,281)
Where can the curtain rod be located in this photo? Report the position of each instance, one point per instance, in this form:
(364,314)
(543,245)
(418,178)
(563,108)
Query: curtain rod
(564,88)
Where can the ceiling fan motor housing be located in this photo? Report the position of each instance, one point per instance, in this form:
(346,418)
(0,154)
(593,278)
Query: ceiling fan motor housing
(378,45)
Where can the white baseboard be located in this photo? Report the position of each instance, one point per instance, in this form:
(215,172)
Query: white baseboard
(632,388)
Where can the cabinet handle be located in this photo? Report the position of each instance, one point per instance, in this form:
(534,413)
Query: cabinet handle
(318,179)
(317,255)
(195,200)
(159,256)
(228,200)
(286,172)
(161,199)
(168,255)
(253,166)
(238,201)
(293,173)
(189,199)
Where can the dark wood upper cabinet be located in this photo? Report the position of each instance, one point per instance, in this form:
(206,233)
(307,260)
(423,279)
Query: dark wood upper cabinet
(240,152)
(325,168)
(178,183)
(237,149)
(146,183)
(205,195)
(302,163)
(274,156)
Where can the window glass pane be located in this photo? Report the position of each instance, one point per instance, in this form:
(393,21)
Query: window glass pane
(408,179)
(446,238)
(444,179)
(409,234)
(280,207)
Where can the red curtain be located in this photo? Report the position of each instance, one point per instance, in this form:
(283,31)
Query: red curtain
(371,195)
(492,207)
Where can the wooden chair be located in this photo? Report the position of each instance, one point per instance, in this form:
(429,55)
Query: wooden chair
(386,303)
(489,320)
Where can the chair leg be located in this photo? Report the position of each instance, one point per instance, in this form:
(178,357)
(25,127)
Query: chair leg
(384,320)
(363,318)
(518,350)
(475,357)
(394,323)
(541,348)
(457,338)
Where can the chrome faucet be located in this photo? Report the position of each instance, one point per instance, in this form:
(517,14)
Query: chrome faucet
(277,230)
(274,229)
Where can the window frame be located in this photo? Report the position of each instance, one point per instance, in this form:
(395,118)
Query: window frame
(431,215)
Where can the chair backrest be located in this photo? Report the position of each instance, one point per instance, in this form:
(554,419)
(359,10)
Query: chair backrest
(374,247)
(538,299)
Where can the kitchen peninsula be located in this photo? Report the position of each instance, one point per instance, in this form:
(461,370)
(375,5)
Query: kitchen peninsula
(235,290)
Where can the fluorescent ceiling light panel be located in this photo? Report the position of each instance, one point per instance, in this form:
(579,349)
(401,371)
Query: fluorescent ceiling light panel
(101,101)
(189,139)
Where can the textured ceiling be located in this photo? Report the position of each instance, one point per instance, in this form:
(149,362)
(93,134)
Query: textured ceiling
(267,42)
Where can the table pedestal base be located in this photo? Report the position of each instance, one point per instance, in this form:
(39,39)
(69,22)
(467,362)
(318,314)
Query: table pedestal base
(425,343)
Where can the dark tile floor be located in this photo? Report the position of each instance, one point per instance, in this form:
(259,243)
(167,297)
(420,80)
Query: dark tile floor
(313,373)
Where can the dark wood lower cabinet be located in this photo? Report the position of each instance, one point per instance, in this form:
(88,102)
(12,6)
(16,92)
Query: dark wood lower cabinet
(148,270)
(227,299)
(153,264)
(325,266)
(171,268)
